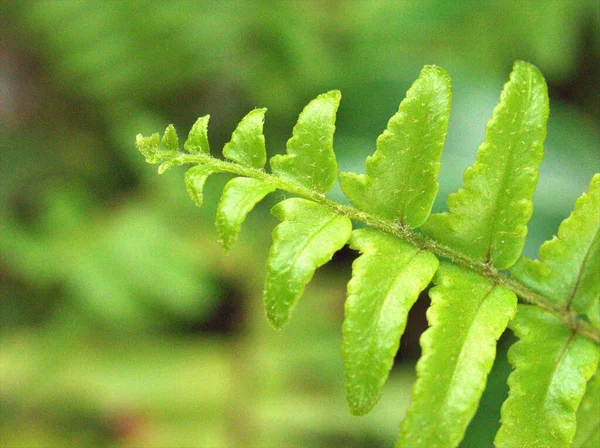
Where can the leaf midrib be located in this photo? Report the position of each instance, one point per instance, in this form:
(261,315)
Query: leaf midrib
(584,261)
(311,238)
(397,230)
(506,172)
(463,346)
(383,302)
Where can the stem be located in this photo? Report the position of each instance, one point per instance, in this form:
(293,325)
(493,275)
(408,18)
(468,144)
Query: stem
(397,229)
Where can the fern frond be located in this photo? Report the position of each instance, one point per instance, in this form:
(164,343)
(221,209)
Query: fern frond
(386,281)
(310,160)
(588,416)
(552,366)
(568,269)
(401,180)
(483,233)
(467,316)
(306,239)
(487,218)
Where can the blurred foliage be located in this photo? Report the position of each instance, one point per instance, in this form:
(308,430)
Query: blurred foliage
(122,324)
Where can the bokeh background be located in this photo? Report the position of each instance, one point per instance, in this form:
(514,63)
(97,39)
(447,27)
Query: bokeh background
(123,324)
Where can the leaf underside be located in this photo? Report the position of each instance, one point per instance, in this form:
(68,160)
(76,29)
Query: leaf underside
(310,160)
(588,416)
(568,269)
(401,179)
(194,179)
(240,195)
(386,281)
(467,316)
(551,367)
(307,238)
(487,219)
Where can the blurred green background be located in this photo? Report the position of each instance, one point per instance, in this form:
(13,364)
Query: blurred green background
(122,322)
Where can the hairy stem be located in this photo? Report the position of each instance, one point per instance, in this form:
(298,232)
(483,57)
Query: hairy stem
(393,228)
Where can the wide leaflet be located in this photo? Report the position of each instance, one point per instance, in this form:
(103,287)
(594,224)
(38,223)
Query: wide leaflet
(568,269)
(552,365)
(466,317)
(401,178)
(386,281)
(487,219)
(307,238)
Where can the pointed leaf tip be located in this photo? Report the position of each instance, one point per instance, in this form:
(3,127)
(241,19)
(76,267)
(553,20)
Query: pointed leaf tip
(170,140)
(310,159)
(197,141)
(401,176)
(247,145)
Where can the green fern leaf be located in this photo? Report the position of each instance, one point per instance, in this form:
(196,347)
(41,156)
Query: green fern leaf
(467,316)
(568,271)
(197,141)
(401,180)
(170,140)
(247,145)
(588,416)
(488,217)
(307,238)
(310,159)
(386,281)
(552,366)
(149,147)
(240,195)
(195,178)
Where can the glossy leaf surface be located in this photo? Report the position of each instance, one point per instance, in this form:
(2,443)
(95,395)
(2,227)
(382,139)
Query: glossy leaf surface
(568,269)
(552,366)
(240,195)
(307,238)
(310,159)
(587,434)
(401,179)
(194,179)
(386,281)
(197,141)
(467,316)
(487,219)
(247,145)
